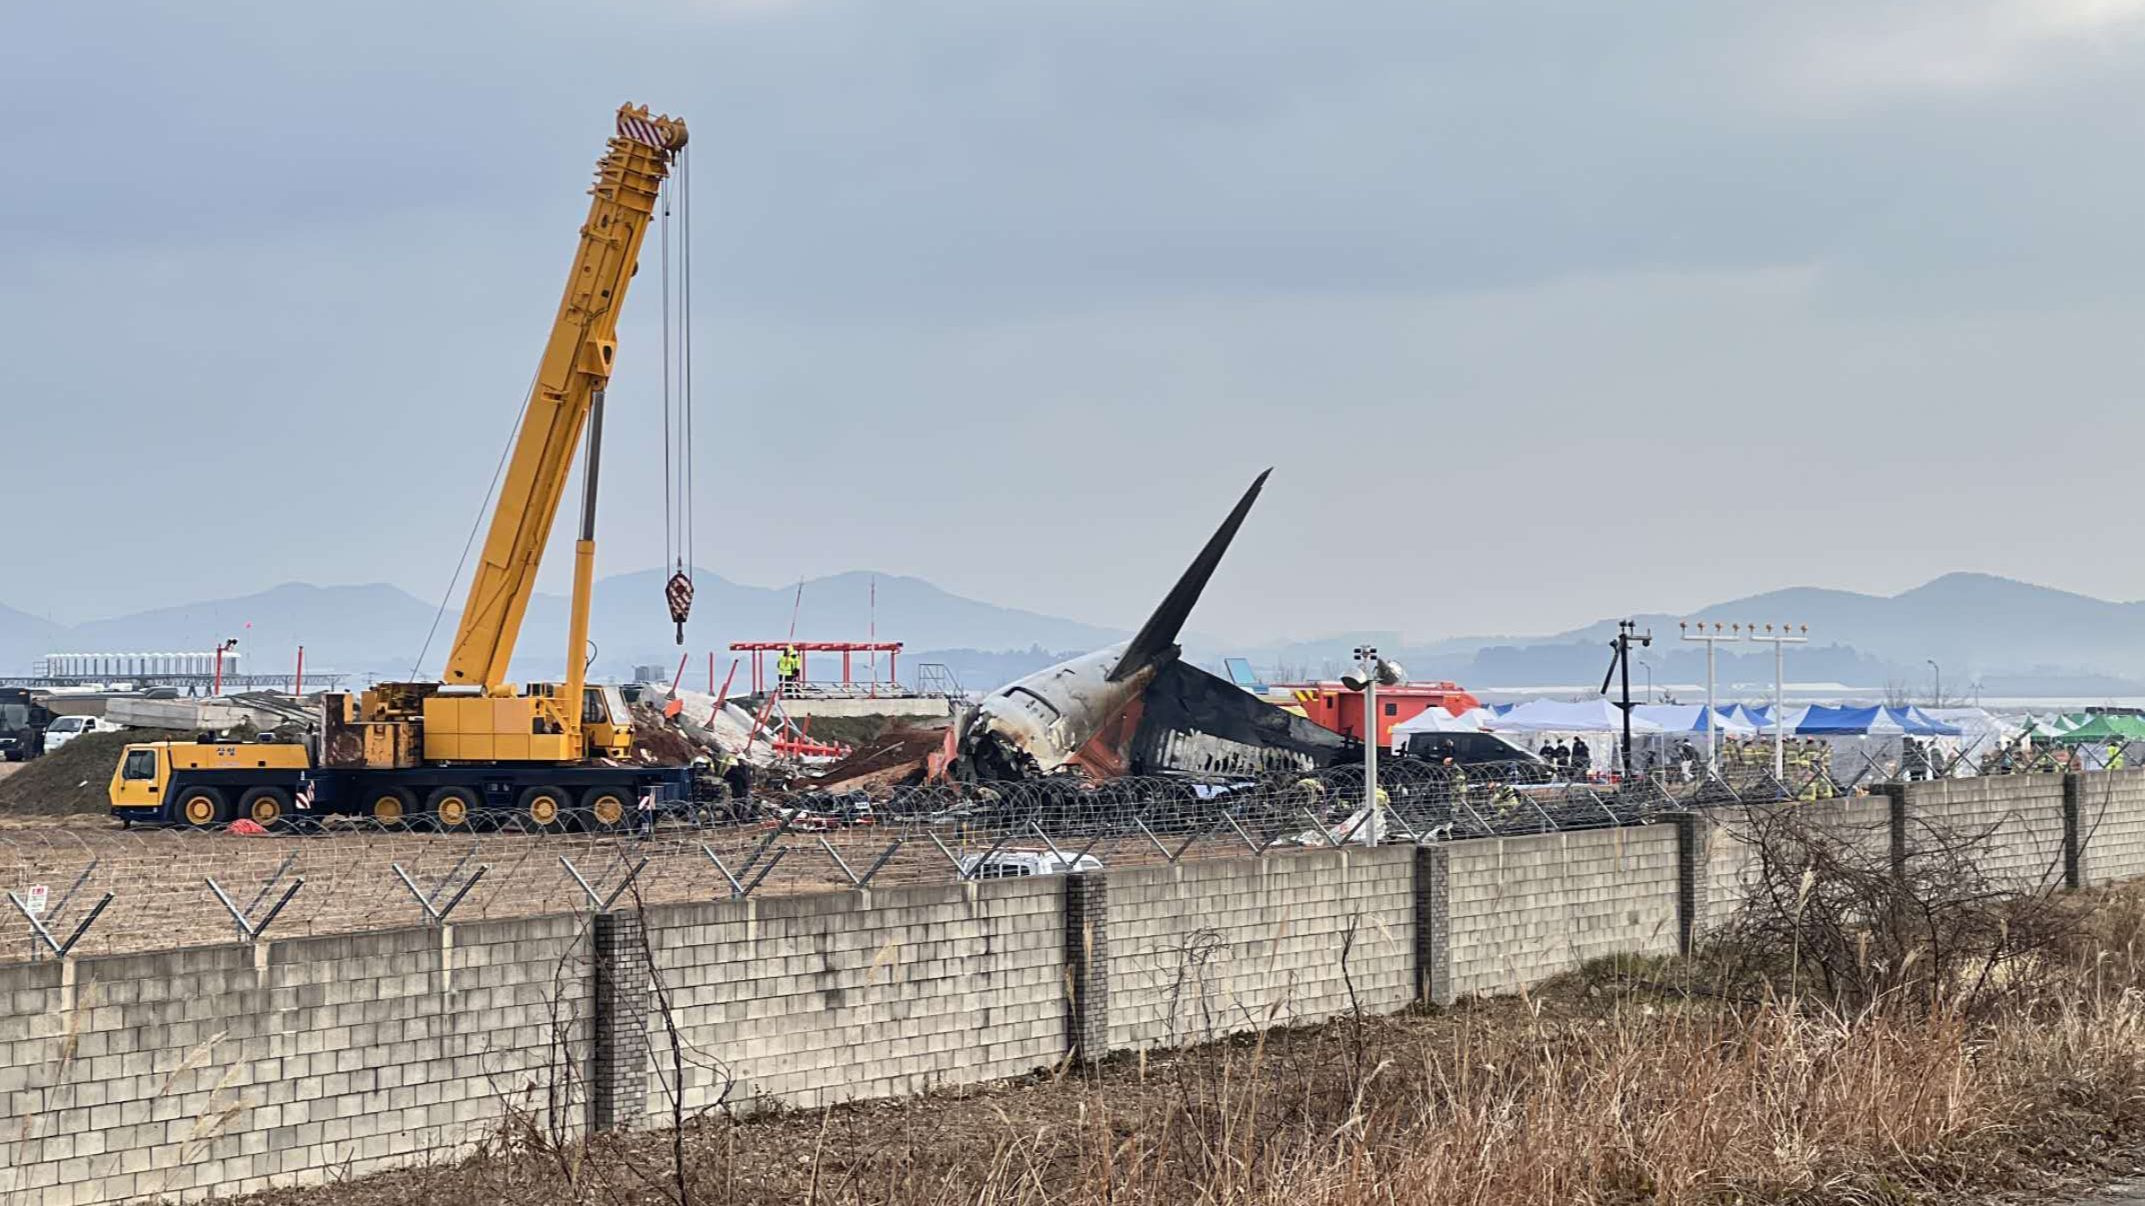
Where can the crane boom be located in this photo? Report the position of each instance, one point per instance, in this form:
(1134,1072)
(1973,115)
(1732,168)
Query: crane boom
(566,396)
(441,751)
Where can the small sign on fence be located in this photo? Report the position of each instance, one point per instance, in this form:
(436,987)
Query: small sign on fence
(35,905)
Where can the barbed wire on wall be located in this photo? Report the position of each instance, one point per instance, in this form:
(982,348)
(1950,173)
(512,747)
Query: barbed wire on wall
(111,890)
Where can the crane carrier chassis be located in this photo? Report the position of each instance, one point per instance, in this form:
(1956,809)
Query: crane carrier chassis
(202,784)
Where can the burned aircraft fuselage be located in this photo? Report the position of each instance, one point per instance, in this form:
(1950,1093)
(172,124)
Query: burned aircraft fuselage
(1085,710)
(1040,723)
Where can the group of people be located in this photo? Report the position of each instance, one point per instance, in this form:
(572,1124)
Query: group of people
(2029,756)
(1806,762)
(1574,760)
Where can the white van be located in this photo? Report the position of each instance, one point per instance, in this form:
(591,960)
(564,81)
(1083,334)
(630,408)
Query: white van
(64,729)
(1010,864)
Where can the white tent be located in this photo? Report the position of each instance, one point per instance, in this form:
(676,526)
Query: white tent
(1436,719)
(1982,735)
(1975,725)
(1747,715)
(1553,716)
(1690,718)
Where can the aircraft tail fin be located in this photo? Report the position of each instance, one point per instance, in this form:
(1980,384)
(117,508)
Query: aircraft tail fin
(1157,638)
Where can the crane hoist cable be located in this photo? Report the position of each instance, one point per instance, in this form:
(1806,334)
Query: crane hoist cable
(678,411)
(476,525)
(685,177)
(670,542)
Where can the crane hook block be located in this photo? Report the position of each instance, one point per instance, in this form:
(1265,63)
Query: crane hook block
(679,592)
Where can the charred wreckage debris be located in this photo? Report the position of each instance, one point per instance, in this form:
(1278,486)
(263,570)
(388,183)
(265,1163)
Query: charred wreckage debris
(1134,708)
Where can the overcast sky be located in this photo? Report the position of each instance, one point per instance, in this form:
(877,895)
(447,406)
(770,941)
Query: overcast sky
(1541,311)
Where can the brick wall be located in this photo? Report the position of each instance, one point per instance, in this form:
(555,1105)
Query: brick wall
(230,1068)
(1218,946)
(1525,909)
(2111,825)
(1731,861)
(1732,868)
(2022,814)
(812,1000)
(219,1068)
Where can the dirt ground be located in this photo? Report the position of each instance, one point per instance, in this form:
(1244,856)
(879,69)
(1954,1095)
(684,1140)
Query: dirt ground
(9,768)
(56,831)
(159,878)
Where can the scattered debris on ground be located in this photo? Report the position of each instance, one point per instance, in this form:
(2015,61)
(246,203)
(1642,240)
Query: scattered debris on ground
(860,731)
(659,742)
(898,756)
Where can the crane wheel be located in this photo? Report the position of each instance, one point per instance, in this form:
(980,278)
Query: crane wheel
(264,805)
(450,807)
(606,806)
(542,805)
(389,805)
(201,807)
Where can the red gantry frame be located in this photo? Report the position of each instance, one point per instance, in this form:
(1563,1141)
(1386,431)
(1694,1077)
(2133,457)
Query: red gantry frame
(758,650)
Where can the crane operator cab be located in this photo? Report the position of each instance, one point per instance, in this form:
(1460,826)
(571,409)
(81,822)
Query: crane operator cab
(606,721)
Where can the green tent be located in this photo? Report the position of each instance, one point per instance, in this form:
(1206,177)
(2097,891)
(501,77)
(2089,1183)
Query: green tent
(2105,728)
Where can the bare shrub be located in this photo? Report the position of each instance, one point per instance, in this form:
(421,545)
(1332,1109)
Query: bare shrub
(1831,909)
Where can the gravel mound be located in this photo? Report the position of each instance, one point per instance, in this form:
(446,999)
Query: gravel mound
(74,778)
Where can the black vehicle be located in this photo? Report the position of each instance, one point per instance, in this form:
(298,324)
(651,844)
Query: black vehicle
(22,724)
(1469,749)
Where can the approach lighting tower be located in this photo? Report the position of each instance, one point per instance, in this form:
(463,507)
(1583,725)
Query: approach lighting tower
(1780,640)
(1712,641)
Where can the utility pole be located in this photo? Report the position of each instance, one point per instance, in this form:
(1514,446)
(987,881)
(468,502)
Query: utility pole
(1937,700)
(1712,640)
(1626,632)
(1779,688)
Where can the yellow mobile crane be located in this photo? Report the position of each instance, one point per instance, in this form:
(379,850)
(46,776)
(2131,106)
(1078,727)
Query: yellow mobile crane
(475,740)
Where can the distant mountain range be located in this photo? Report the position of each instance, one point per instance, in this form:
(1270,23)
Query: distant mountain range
(2009,637)
(377,630)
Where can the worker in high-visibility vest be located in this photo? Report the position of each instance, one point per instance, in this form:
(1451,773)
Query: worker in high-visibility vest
(788,666)
(2115,755)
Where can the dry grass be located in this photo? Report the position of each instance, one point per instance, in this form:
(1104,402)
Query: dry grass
(1633,1082)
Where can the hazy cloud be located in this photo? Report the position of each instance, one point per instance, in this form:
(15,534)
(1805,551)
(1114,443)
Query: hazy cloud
(1543,310)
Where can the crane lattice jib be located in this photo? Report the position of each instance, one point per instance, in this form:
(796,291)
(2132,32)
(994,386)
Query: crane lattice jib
(576,363)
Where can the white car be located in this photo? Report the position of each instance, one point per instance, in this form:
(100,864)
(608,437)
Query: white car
(1010,864)
(66,728)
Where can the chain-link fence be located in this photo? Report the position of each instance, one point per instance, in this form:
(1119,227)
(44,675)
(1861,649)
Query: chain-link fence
(79,891)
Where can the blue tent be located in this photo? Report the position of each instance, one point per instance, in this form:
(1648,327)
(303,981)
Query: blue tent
(1821,721)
